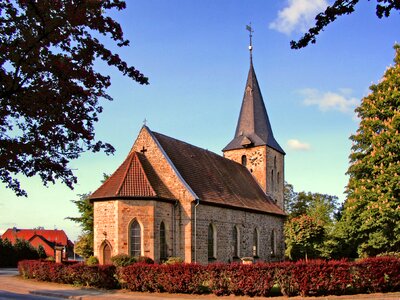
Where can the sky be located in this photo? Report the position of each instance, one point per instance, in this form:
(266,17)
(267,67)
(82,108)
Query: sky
(196,56)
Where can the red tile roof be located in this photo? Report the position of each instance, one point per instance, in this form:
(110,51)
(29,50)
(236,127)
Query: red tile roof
(55,236)
(215,179)
(133,178)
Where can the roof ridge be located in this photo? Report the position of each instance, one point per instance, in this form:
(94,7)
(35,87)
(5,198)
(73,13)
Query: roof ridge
(174,168)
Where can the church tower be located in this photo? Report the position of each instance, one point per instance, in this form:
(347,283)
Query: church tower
(254,145)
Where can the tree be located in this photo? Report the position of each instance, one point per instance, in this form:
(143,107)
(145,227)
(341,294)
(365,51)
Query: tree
(371,214)
(84,245)
(321,206)
(310,224)
(339,8)
(304,236)
(49,87)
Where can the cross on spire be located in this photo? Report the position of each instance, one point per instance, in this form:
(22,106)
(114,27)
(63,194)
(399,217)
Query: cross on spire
(250,29)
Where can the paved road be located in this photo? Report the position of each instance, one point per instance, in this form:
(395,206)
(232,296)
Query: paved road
(14,287)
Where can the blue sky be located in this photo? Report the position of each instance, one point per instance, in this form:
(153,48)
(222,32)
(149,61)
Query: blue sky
(195,54)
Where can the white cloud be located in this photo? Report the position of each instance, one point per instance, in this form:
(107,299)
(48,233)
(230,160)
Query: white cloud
(341,101)
(298,15)
(297,145)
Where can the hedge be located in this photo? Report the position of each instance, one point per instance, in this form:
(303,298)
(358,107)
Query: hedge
(77,274)
(312,278)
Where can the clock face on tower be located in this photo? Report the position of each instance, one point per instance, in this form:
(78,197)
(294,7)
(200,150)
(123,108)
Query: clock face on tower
(256,158)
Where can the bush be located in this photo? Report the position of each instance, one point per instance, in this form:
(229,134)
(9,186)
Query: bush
(144,259)
(122,260)
(11,254)
(92,260)
(377,275)
(173,260)
(312,278)
(78,274)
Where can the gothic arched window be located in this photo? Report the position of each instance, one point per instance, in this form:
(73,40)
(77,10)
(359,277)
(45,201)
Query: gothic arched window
(163,242)
(135,239)
(272,181)
(273,243)
(212,242)
(236,241)
(255,242)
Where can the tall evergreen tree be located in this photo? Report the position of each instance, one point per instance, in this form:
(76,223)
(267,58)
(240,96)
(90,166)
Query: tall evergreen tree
(372,209)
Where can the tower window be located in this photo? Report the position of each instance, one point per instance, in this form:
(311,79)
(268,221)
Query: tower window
(244,160)
(272,181)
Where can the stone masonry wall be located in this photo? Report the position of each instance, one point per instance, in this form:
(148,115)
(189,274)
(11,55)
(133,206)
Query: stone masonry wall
(224,220)
(168,176)
(261,161)
(105,226)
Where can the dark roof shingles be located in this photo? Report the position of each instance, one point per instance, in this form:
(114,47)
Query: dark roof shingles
(216,179)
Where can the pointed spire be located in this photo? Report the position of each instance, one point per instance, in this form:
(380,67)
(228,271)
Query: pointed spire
(253,127)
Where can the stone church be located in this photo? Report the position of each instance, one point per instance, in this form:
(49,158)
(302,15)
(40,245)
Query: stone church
(172,199)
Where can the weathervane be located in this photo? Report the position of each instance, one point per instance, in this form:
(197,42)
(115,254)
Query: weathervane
(250,29)
(145,122)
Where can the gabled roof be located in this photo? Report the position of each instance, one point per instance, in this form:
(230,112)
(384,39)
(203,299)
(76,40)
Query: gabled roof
(215,179)
(253,124)
(134,178)
(55,236)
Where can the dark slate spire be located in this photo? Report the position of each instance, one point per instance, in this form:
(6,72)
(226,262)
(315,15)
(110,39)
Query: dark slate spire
(253,128)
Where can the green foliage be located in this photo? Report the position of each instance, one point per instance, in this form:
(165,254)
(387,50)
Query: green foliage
(92,260)
(315,212)
(304,237)
(122,260)
(41,252)
(84,245)
(321,206)
(339,8)
(51,86)
(371,214)
(11,254)
(173,260)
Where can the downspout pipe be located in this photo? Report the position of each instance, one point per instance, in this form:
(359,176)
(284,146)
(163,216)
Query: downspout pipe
(197,202)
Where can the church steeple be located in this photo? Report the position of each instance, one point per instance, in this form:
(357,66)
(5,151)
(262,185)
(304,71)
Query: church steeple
(253,127)
(254,145)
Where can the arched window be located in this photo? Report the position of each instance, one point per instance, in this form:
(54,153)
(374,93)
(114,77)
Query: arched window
(236,241)
(135,239)
(163,242)
(255,242)
(273,243)
(244,160)
(278,180)
(272,181)
(212,242)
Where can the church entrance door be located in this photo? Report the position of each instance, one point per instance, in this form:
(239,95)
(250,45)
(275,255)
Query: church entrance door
(107,254)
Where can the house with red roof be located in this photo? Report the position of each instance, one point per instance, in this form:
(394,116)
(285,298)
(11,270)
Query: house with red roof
(169,198)
(48,239)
